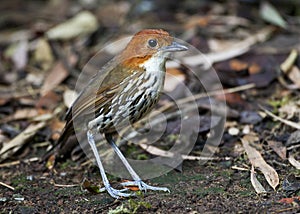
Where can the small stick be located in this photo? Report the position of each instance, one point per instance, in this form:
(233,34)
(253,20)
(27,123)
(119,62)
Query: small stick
(7,186)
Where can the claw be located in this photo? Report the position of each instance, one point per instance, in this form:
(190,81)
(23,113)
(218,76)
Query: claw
(143,186)
(115,193)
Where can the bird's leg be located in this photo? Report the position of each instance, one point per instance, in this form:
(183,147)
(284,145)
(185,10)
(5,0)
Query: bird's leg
(137,180)
(113,192)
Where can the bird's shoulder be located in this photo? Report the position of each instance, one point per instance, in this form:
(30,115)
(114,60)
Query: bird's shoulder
(101,89)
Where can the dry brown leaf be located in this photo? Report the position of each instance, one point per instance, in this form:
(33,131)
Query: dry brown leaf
(56,127)
(294,75)
(48,101)
(236,50)
(21,114)
(16,143)
(195,21)
(289,110)
(57,74)
(50,162)
(43,54)
(120,10)
(255,183)
(82,24)
(258,161)
(238,65)
(254,68)
(290,200)
(279,148)
(294,162)
(162,153)
(87,185)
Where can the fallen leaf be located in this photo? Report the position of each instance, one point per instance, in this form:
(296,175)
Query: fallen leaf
(238,65)
(290,200)
(294,138)
(43,55)
(257,161)
(16,143)
(254,68)
(56,128)
(279,148)
(163,153)
(270,14)
(82,24)
(294,75)
(250,117)
(119,11)
(236,50)
(235,99)
(21,114)
(294,162)
(48,101)
(289,110)
(255,183)
(57,74)
(86,184)
(195,21)
(291,183)
(50,162)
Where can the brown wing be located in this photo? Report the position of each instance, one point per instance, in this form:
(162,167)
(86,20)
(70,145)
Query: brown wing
(98,93)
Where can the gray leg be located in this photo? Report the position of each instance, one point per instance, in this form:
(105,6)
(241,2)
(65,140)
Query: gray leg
(137,180)
(113,192)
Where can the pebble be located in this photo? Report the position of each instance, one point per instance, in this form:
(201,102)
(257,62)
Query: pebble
(233,131)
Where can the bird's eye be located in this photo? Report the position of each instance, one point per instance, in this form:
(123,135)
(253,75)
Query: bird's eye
(152,43)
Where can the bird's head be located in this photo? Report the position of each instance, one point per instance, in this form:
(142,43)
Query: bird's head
(150,43)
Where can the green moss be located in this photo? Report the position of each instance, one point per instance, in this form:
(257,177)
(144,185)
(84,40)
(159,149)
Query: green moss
(21,179)
(210,191)
(131,206)
(66,192)
(19,182)
(278,103)
(66,164)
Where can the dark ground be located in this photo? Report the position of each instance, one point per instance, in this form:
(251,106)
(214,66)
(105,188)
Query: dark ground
(212,188)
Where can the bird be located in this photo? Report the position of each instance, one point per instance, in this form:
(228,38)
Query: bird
(122,92)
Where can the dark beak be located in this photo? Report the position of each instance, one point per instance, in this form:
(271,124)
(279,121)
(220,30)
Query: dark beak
(174,47)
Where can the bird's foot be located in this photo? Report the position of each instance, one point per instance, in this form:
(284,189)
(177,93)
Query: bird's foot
(143,186)
(116,193)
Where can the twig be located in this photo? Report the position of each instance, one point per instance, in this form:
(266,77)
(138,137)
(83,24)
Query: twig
(240,168)
(13,163)
(237,50)
(162,153)
(214,93)
(287,122)
(66,185)
(199,96)
(7,186)
(182,101)
(289,61)
(17,142)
